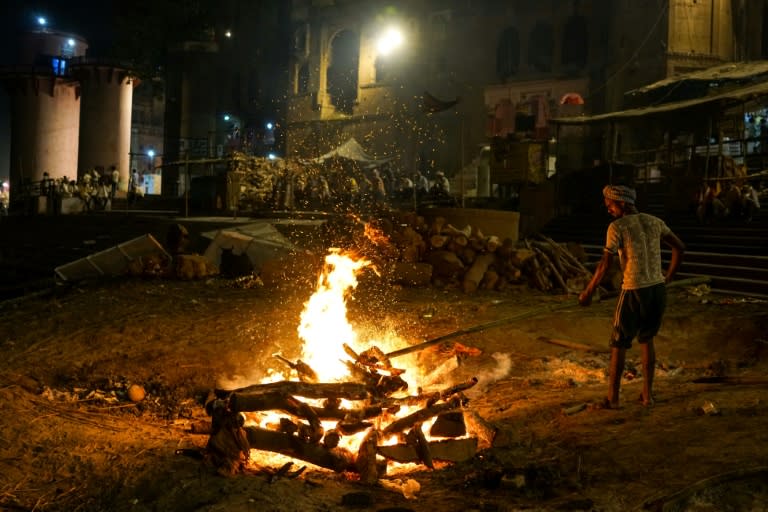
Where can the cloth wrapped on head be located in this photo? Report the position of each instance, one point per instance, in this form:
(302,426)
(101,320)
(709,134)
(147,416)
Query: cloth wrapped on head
(620,193)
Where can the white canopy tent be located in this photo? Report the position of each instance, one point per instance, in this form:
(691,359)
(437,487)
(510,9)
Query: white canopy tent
(352,150)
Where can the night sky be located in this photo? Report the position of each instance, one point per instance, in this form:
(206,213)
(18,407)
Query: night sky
(90,19)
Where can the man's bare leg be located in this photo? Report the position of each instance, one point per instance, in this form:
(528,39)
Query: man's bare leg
(649,368)
(616,370)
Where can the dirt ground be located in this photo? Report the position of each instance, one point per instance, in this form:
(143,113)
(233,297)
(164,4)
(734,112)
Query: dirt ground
(71,440)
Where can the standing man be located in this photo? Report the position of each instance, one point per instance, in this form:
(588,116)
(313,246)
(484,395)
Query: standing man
(115,182)
(636,238)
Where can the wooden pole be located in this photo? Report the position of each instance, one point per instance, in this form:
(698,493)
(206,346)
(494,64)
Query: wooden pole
(520,316)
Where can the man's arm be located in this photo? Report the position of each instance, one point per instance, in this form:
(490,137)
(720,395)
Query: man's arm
(585,297)
(678,248)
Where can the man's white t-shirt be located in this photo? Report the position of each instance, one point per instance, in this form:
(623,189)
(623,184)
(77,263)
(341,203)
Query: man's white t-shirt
(636,238)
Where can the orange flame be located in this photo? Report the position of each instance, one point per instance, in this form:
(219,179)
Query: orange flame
(324,326)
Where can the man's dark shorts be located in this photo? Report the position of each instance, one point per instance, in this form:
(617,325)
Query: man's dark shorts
(638,313)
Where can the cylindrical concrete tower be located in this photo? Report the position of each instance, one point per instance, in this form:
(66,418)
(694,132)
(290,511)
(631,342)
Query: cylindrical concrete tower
(45,108)
(105,117)
(45,120)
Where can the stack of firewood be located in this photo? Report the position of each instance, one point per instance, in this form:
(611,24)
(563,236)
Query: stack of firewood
(378,392)
(474,260)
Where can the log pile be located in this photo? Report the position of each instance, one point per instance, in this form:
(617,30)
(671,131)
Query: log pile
(313,421)
(473,260)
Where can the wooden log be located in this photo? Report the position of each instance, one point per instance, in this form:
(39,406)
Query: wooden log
(506,248)
(348,390)
(480,429)
(492,243)
(450,450)
(475,273)
(432,397)
(421,416)
(567,254)
(336,459)
(412,245)
(553,269)
(253,402)
(437,226)
(302,369)
(416,438)
(460,240)
(331,439)
(449,424)
(227,447)
(520,256)
(468,255)
(349,428)
(490,278)
(449,229)
(444,264)
(438,241)
(366,458)
(481,327)
(519,316)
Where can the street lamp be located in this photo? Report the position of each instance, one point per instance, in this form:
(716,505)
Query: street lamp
(389,40)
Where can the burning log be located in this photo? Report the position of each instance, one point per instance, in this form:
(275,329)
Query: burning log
(348,390)
(420,416)
(251,402)
(431,398)
(416,438)
(228,448)
(366,463)
(349,428)
(335,459)
(449,424)
(331,439)
(450,450)
(303,370)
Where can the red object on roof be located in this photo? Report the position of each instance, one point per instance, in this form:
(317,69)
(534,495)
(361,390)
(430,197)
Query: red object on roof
(571,98)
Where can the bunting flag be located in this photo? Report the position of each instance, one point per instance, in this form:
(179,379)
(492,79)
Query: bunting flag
(431,105)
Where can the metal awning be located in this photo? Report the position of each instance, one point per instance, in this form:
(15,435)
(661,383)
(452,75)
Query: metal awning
(735,96)
(732,71)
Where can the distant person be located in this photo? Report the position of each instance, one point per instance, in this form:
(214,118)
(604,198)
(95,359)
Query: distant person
(421,183)
(442,186)
(379,191)
(4,199)
(750,201)
(635,237)
(115,175)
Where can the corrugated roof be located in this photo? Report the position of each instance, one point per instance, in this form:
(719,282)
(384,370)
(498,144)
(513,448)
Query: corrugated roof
(730,71)
(737,95)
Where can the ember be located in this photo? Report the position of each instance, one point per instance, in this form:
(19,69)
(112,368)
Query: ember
(346,408)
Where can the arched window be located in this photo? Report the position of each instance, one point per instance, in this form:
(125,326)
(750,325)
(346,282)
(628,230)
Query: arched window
(575,42)
(508,53)
(541,47)
(342,71)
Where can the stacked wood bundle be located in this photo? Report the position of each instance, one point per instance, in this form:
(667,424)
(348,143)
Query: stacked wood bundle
(472,260)
(313,420)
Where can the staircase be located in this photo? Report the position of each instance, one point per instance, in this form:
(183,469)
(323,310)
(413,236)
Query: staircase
(733,254)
